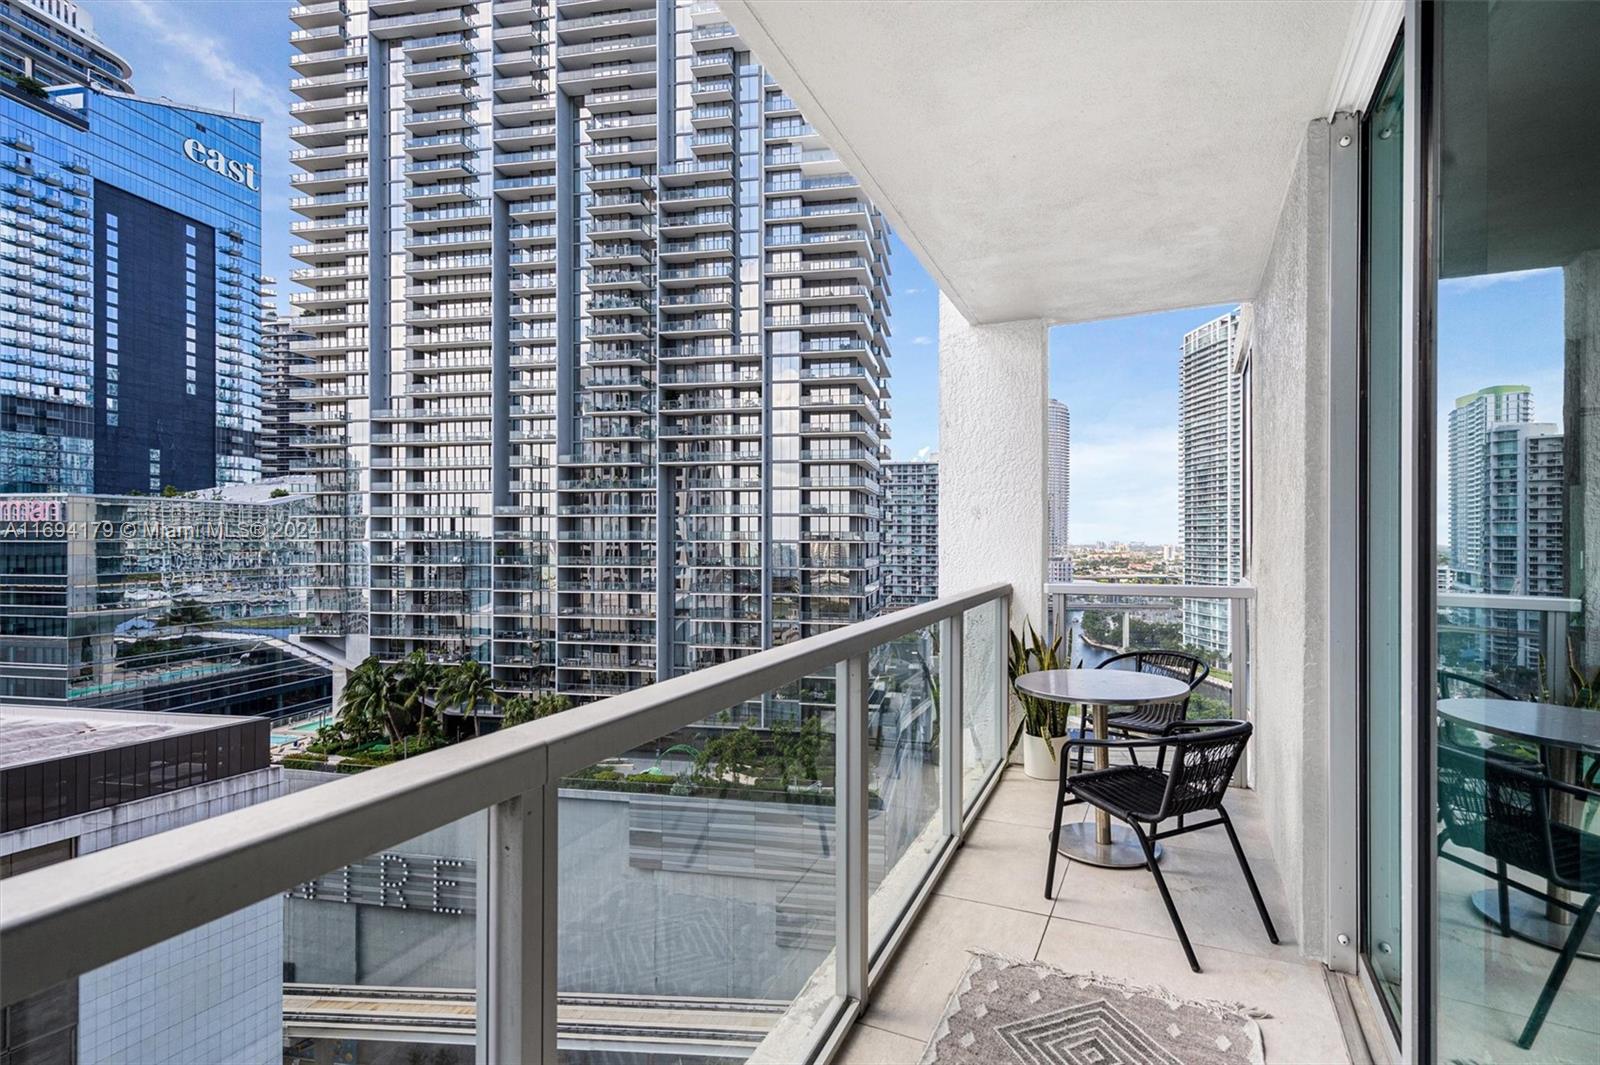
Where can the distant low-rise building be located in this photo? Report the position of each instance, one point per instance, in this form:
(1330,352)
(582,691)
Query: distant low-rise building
(159,603)
(78,781)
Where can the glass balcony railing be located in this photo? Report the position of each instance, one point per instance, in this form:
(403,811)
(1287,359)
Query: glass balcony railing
(753,837)
(1096,620)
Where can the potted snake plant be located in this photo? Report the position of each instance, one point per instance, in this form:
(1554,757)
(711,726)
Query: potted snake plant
(1044,723)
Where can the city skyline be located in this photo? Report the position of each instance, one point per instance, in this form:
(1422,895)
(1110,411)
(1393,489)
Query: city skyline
(1122,369)
(605,400)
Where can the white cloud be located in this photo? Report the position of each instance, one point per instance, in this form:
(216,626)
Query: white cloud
(213,75)
(1478,281)
(922,341)
(910,291)
(1125,486)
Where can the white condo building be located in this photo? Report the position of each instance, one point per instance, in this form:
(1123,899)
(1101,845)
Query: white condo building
(600,337)
(1471,421)
(1059,487)
(910,533)
(53,42)
(1507,522)
(1210,474)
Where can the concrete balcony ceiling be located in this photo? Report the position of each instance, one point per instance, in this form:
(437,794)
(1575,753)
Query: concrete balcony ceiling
(1070,161)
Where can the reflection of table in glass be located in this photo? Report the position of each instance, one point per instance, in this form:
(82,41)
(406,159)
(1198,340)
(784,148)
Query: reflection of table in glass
(1562,733)
(1103,844)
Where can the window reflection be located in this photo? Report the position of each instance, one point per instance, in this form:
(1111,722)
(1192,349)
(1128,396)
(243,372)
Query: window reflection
(1518,373)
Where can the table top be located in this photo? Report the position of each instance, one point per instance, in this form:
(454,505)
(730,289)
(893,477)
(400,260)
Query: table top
(1102,687)
(1551,723)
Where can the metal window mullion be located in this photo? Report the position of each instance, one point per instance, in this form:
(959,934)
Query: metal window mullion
(516,961)
(1002,674)
(850,813)
(950,726)
(1419,947)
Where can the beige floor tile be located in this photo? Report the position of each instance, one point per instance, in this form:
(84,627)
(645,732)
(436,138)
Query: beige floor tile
(911,998)
(874,1046)
(1207,888)
(1020,800)
(1479,1033)
(1479,967)
(1302,1026)
(1004,865)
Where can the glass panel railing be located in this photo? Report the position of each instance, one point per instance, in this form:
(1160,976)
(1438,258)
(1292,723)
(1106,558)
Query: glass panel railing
(379,957)
(905,833)
(697,884)
(983,731)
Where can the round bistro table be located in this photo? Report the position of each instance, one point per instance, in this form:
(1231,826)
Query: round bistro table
(1102,843)
(1562,733)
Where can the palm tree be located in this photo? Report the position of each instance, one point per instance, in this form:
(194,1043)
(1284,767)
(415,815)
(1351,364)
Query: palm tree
(365,705)
(467,685)
(415,681)
(516,710)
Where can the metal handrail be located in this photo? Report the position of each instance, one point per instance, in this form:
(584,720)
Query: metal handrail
(1494,601)
(64,920)
(1241,590)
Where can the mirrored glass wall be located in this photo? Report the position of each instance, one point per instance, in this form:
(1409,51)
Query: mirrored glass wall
(1516,436)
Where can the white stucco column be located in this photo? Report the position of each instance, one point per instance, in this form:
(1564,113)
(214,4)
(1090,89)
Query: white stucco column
(993,386)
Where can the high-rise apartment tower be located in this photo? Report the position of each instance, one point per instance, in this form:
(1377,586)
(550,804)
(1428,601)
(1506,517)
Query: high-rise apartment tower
(1059,487)
(1210,475)
(1470,422)
(910,533)
(52,42)
(1506,496)
(284,389)
(600,336)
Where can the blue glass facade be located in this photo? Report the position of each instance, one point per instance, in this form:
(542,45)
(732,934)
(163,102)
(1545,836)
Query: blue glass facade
(130,336)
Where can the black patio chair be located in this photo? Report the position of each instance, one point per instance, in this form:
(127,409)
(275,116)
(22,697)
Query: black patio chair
(1204,756)
(1501,809)
(1151,719)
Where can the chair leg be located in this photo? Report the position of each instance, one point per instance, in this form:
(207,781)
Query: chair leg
(1249,877)
(1166,896)
(1055,828)
(1083,730)
(1503,889)
(1569,950)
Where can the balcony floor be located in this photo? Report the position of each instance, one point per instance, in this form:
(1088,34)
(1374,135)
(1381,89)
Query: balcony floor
(1111,922)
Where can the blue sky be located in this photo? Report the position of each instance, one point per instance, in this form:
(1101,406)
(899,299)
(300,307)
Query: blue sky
(1119,377)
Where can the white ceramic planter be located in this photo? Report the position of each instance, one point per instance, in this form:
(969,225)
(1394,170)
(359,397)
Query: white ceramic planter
(1036,758)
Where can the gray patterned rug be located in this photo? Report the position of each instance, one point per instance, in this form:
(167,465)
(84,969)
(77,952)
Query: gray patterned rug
(1020,1011)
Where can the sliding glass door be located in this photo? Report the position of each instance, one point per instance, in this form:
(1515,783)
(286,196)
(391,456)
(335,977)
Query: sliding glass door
(1516,434)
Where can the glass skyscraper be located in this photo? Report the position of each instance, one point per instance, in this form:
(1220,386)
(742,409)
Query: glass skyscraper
(130,248)
(1210,474)
(1058,485)
(601,340)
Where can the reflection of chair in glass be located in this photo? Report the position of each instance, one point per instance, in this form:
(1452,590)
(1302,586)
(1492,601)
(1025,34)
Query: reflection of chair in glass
(1460,686)
(1150,719)
(1204,756)
(1503,810)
